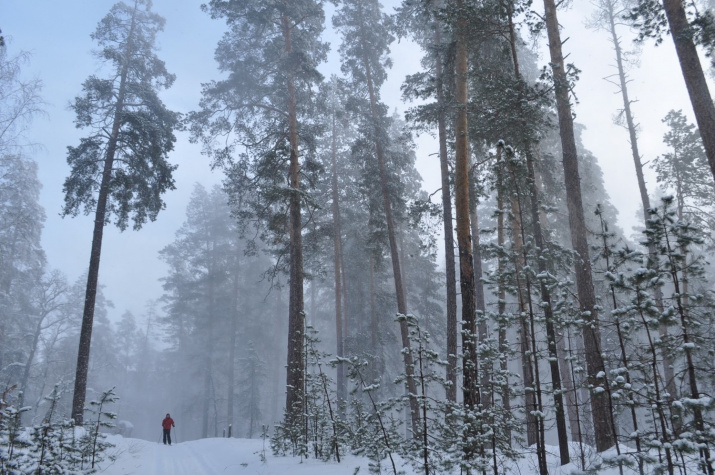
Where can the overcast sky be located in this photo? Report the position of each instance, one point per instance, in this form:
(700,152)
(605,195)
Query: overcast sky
(56,33)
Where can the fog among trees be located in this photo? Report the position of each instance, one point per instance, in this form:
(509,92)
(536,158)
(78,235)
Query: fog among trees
(449,275)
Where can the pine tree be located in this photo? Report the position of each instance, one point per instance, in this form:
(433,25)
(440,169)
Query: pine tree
(419,18)
(121,168)
(22,260)
(679,171)
(365,42)
(271,53)
(584,279)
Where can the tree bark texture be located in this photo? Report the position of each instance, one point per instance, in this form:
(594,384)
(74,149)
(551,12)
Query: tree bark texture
(584,279)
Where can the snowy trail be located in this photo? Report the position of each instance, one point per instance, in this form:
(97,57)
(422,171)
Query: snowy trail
(214,457)
(219,456)
(200,457)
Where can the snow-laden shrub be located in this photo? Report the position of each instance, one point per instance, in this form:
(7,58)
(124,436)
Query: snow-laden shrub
(56,445)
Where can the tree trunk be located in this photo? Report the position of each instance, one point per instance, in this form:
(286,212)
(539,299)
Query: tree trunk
(525,344)
(470,367)
(374,327)
(85,336)
(449,261)
(337,253)
(208,365)
(584,280)
(501,295)
(231,370)
(277,366)
(345,299)
(693,75)
(396,267)
(567,383)
(28,364)
(541,265)
(295,378)
(481,307)
(548,315)
(630,123)
(645,200)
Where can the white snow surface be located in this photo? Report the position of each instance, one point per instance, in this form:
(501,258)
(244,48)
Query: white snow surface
(218,456)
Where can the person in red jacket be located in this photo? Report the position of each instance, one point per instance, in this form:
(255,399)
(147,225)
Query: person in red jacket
(167,424)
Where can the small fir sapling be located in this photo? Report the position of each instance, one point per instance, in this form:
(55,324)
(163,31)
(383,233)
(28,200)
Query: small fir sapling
(43,434)
(95,439)
(321,402)
(46,447)
(379,429)
(421,450)
(11,432)
(320,429)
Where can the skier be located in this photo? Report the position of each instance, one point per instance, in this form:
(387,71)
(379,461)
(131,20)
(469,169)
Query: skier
(167,424)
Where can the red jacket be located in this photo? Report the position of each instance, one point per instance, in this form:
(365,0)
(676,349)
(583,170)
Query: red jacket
(167,423)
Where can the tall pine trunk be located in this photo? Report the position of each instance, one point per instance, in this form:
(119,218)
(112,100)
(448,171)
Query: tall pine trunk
(693,75)
(501,295)
(295,377)
(527,366)
(481,307)
(449,261)
(85,336)
(584,279)
(231,368)
(645,199)
(471,393)
(394,254)
(337,258)
(548,314)
(208,364)
(540,244)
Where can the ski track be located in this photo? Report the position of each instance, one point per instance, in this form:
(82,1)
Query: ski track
(190,461)
(210,457)
(179,459)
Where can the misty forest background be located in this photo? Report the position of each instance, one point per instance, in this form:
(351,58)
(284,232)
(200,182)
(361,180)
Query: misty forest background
(321,295)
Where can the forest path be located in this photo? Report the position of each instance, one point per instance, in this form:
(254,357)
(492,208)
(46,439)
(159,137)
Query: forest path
(214,456)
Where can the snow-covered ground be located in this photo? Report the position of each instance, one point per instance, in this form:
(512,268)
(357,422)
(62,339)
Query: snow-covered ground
(221,456)
(216,457)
